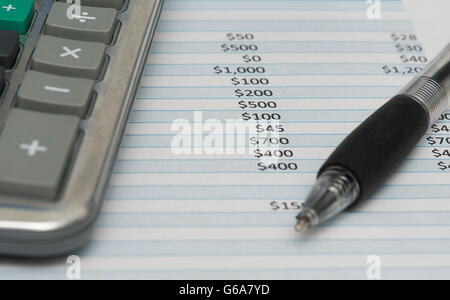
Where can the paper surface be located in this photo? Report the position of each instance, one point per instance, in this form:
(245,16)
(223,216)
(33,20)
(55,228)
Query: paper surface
(320,67)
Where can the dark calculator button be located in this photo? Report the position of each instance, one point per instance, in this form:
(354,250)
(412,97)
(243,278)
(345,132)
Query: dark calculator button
(9,47)
(2,79)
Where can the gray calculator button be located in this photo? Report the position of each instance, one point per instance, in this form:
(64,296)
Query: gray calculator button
(55,94)
(86,24)
(117,4)
(69,57)
(35,148)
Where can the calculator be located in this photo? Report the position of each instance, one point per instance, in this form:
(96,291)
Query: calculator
(69,72)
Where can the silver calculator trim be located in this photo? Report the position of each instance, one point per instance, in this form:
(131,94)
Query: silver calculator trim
(48,227)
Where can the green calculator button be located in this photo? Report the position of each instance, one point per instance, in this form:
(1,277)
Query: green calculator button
(16,15)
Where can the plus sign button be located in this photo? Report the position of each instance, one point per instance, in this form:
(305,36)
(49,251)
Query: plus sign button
(35,148)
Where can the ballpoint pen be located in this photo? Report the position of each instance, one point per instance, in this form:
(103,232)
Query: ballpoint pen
(366,158)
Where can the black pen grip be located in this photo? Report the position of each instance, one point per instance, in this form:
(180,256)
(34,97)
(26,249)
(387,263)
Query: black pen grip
(380,144)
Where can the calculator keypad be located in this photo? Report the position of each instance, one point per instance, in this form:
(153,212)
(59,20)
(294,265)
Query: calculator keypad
(68,78)
(56,92)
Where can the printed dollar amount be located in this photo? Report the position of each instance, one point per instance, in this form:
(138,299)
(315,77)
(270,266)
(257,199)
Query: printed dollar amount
(250,104)
(252,58)
(239,47)
(269,141)
(403,37)
(270,128)
(240,36)
(253,93)
(254,81)
(444,166)
(238,70)
(278,166)
(438,140)
(444,117)
(273,153)
(413,59)
(445,153)
(398,70)
(402,48)
(285,206)
(261,116)
(436,128)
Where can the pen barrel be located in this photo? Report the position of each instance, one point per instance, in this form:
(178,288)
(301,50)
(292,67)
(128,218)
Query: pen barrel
(380,144)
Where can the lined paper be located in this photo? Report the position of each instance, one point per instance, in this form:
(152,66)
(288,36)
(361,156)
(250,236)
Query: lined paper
(218,216)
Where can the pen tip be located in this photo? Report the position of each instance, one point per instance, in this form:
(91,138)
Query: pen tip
(301,224)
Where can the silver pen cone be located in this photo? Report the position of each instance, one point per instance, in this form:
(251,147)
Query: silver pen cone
(335,190)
